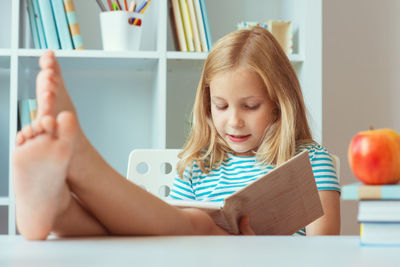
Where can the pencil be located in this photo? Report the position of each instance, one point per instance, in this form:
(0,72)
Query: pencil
(119,6)
(102,7)
(110,5)
(126,5)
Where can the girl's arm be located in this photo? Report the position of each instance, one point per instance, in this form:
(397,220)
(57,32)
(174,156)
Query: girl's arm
(329,223)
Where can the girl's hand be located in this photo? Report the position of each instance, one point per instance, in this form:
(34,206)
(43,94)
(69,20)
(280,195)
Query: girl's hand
(244,226)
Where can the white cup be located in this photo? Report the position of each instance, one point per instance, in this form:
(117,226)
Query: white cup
(118,32)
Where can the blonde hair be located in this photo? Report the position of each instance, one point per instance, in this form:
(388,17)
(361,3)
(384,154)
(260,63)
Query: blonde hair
(258,51)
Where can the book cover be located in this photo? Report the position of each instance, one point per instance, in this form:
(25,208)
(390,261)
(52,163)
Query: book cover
(39,24)
(206,24)
(380,234)
(186,24)
(62,24)
(359,191)
(73,24)
(32,24)
(193,22)
(49,25)
(282,31)
(379,211)
(280,203)
(200,24)
(177,26)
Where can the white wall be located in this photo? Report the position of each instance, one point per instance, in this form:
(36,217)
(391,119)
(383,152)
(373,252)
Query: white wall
(361,80)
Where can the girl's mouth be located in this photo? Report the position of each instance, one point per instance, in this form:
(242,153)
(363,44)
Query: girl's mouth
(238,138)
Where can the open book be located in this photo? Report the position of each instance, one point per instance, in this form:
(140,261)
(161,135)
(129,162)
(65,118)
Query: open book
(280,203)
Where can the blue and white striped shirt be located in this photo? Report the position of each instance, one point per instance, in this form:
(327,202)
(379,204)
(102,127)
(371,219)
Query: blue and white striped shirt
(236,172)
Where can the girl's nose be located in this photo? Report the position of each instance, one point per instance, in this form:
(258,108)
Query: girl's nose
(235,120)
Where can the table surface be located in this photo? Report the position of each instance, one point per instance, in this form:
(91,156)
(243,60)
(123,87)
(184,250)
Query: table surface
(202,251)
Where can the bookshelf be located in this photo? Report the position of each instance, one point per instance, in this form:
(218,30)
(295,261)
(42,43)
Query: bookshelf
(138,99)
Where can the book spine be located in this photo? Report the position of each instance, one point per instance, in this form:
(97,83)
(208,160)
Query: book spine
(32,109)
(32,24)
(206,24)
(193,22)
(39,24)
(49,24)
(62,24)
(200,23)
(178,25)
(187,26)
(23,108)
(73,24)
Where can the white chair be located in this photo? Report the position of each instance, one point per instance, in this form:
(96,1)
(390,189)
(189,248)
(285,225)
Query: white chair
(153,169)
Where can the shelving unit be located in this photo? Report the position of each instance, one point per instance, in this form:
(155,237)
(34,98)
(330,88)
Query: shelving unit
(138,99)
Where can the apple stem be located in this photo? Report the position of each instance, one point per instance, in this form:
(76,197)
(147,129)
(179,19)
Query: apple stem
(371,127)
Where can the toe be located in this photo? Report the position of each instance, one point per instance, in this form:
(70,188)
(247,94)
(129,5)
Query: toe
(27,131)
(67,125)
(19,139)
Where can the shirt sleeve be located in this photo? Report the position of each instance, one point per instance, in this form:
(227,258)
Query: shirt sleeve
(323,168)
(182,188)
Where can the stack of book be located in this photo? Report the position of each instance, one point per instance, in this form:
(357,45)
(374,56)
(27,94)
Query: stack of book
(190,26)
(27,109)
(378,212)
(281,30)
(54,24)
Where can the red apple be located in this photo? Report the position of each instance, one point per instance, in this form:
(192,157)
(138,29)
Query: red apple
(374,156)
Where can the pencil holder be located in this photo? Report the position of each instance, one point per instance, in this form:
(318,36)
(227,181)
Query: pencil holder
(121,30)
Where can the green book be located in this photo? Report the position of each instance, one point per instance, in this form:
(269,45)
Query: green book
(360,191)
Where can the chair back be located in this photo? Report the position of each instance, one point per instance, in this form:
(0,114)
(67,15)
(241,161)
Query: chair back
(153,169)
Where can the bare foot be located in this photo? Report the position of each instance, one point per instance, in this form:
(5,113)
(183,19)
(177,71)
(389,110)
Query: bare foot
(52,95)
(40,162)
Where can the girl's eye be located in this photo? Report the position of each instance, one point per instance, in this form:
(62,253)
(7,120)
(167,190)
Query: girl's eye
(252,107)
(221,107)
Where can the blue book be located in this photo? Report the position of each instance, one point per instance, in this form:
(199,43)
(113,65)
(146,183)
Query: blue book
(49,24)
(24,113)
(206,25)
(39,24)
(359,191)
(62,24)
(32,24)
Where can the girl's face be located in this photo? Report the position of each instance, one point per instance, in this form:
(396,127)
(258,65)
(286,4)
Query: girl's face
(241,110)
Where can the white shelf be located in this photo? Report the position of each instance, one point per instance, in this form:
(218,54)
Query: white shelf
(4,201)
(5,52)
(92,54)
(187,55)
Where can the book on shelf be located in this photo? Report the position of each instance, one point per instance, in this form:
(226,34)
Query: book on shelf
(32,24)
(62,24)
(187,25)
(380,233)
(280,203)
(281,30)
(49,24)
(195,28)
(39,24)
(206,24)
(177,26)
(360,191)
(200,24)
(27,109)
(73,24)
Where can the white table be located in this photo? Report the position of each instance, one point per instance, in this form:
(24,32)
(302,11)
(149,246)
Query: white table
(202,251)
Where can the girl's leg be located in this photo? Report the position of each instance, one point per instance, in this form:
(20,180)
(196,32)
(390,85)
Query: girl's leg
(40,163)
(121,206)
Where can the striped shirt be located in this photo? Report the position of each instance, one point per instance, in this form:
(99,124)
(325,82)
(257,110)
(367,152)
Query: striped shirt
(236,172)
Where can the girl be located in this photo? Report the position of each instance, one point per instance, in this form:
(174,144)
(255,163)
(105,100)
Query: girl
(248,118)
(248,103)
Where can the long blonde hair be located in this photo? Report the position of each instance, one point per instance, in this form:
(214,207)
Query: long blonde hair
(258,51)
